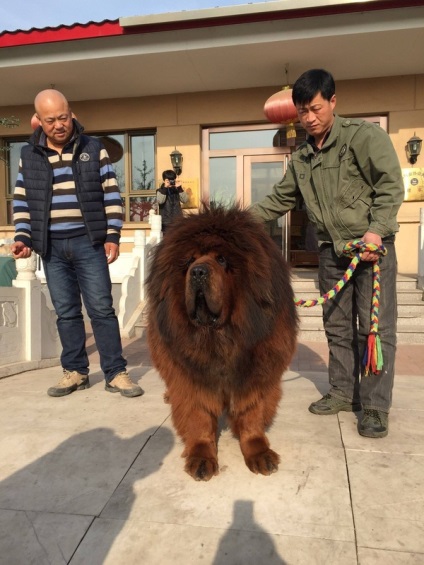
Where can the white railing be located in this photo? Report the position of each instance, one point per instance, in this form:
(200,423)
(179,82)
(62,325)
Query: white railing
(28,333)
(132,303)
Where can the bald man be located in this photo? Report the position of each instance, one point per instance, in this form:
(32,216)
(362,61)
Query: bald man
(67,208)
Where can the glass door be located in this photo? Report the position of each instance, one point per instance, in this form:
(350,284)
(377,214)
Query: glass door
(261,172)
(241,164)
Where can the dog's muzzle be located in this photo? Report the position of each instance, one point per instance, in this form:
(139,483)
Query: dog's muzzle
(198,304)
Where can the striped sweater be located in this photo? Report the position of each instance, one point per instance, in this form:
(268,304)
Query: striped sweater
(65,216)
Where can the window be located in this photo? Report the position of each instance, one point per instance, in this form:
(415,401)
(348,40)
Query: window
(10,152)
(133,159)
(227,152)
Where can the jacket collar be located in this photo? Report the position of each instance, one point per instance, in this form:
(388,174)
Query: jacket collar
(309,147)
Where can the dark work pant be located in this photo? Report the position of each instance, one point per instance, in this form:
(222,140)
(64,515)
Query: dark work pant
(347,324)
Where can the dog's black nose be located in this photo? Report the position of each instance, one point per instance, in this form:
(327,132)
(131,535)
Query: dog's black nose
(199,272)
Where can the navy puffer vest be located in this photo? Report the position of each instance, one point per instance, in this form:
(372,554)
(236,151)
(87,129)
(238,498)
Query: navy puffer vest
(38,182)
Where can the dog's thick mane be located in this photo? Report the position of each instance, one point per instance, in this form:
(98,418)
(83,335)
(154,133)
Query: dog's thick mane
(255,269)
(232,225)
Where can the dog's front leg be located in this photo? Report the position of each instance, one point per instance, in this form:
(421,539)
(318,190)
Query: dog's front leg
(198,429)
(249,427)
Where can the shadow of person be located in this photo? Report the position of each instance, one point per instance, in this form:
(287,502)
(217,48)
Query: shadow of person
(137,352)
(245,542)
(49,506)
(310,365)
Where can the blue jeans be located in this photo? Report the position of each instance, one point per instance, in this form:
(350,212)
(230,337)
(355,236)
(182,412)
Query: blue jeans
(75,267)
(347,324)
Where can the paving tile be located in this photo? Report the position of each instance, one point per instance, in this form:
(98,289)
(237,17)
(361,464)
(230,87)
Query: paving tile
(368,556)
(295,420)
(406,422)
(69,454)
(388,500)
(406,433)
(38,538)
(102,476)
(298,508)
(76,476)
(113,542)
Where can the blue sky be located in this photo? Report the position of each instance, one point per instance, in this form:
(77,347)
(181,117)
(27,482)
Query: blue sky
(25,14)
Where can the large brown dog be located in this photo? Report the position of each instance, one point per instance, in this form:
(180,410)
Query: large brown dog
(222,330)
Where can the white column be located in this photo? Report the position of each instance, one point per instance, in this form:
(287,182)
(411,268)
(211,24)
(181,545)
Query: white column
(139,242)
(27,280)
(139,250)
(156,228)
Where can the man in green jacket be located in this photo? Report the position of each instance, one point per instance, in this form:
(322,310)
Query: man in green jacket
(348,174)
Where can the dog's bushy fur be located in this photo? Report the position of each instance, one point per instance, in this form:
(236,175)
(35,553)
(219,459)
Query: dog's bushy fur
(222,329)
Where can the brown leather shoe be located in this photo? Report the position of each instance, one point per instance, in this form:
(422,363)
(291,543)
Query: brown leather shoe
(123,384)
(71,381)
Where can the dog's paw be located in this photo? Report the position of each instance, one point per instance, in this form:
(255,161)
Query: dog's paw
(264,463)
(201,468)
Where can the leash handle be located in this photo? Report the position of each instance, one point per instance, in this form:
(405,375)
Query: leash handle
(373,355)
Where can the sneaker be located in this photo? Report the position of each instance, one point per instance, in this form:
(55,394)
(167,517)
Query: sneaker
(332,405)
(374,423)
(71,380)
(123,384)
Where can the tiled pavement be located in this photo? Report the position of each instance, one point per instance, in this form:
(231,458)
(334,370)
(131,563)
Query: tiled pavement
(94,478)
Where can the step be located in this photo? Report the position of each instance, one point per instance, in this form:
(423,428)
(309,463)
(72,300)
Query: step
(403,337)
(403,322)
(307,286)
(309,281)
(407,332)
(410,303)
(415,310)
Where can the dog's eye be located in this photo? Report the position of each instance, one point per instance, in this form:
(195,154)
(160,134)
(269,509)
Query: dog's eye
(221,260)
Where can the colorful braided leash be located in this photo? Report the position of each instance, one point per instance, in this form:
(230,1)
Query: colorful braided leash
(373,355)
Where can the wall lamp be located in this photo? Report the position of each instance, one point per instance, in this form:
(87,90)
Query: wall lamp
(177,161)
(413,148)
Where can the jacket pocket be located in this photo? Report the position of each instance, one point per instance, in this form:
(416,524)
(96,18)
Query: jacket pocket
(357,190)
(354,208)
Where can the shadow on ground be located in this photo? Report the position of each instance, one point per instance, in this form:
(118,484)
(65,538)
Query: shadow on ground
(73,483)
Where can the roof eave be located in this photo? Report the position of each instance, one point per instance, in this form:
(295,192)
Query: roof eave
(209,17)
(248,13)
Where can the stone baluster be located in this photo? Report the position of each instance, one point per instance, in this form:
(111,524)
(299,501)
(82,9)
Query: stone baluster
(26,268)
(156,228)
(27,280)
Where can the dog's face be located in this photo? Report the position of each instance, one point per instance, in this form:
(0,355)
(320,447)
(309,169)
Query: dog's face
(208,288)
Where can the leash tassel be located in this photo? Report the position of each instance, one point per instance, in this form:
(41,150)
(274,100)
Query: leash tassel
(373,356)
